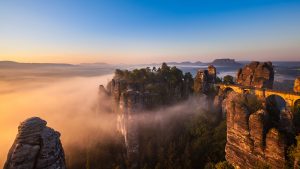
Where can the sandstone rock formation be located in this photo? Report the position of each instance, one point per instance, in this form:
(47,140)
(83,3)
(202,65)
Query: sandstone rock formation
(204,80)
(212,72)
(251,139)
(275,148)
(297,85)
(131,104)
(36,147)
(134,92)
(256,74)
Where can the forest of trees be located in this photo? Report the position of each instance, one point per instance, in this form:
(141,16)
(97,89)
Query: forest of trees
(192,141)
(181,142)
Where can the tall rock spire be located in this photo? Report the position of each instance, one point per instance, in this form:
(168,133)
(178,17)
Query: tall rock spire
(36,147)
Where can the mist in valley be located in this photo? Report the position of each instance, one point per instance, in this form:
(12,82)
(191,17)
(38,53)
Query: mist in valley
(73,106)
(69,106)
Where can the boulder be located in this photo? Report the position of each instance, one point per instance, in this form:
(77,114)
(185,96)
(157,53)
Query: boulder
(36,147)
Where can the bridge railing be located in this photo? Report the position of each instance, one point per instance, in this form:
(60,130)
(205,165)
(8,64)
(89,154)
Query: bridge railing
(261,89)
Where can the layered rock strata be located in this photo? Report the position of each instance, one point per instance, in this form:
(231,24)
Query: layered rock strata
(204,80)
(256,74)
(251,139)
(131,97)
(36,147)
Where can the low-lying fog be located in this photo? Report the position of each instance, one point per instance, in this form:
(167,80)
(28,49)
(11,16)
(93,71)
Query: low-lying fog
(67,100)
(68,105)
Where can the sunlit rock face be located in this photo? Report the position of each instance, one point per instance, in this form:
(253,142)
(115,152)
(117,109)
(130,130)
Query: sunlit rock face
(212,72)
(256,74)
(138,91)
(297,85)
(275,148)
(250,140)
(36,147)
(204,80)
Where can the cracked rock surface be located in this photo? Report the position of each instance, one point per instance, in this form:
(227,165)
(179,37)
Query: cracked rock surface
(36,147)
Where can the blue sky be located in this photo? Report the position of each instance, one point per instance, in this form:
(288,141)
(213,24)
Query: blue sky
(119,31)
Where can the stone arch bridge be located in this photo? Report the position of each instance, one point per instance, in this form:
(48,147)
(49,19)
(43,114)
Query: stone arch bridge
(291,98)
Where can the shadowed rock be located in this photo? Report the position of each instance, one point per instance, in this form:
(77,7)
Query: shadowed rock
(256,74)
(204,80)
(134,92)
(36,147)
(249,141)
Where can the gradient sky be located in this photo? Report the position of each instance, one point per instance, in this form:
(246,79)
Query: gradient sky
(132,31)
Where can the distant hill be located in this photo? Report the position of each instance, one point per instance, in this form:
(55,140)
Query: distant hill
(11,70)
(12,64)
(225,62)
(94,64)
(185,63)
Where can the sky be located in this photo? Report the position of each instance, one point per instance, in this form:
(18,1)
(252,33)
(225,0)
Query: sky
(148,31)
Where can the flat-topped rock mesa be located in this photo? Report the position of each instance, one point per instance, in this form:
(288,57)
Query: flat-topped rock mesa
(225,62)
(256,74)
(36,147)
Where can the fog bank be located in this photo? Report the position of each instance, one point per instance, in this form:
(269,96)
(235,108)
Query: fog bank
(69,106)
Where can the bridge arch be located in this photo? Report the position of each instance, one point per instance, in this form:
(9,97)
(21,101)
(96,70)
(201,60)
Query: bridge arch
(276,101)
(234,88)
(275,105)
(297,104)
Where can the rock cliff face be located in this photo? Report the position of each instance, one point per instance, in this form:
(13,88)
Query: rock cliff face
(256,74)
(36,147)
(204,80)
(251,138)
(297,85)
(134,92)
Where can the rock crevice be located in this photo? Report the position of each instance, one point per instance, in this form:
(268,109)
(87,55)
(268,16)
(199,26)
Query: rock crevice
(250,141)
(36,147)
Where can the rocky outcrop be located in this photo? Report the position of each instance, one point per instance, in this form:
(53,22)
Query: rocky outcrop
(204,80)
(36,147)
(275,148)
(250,141)
(297,85)
(212,74)
(257,124)
(131,105)
(256,74)
(137,91)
